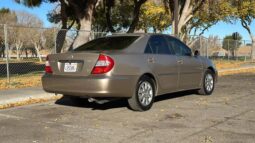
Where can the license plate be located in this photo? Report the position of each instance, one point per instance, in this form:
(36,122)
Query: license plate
(70,67)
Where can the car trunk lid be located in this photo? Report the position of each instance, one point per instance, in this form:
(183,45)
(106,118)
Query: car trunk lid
(72,63)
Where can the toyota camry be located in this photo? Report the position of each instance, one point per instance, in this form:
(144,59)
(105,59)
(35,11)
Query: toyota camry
(137,67)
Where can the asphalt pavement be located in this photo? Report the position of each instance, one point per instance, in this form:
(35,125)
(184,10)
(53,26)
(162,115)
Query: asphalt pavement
(227,116)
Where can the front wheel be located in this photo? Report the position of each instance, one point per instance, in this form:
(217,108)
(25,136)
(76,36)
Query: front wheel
(143,98)
(208,83)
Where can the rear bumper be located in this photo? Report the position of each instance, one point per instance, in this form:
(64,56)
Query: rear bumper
(93,86)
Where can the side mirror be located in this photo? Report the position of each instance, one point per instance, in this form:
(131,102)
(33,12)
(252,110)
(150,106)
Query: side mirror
(196,53)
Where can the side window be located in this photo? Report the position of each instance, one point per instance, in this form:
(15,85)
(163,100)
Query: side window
(148,49)
(157,45)
(186,51)
(173,44)
(179,48)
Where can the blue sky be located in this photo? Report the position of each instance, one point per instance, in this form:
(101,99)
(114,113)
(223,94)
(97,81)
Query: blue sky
(41,11)
(221,29)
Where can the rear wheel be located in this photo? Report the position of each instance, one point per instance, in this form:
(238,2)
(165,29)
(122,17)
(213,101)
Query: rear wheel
(208,83)
(143,98)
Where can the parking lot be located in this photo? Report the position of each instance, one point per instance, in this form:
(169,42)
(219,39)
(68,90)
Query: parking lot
(226,116)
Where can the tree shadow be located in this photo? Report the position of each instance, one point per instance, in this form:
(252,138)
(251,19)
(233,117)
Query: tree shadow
(118,103)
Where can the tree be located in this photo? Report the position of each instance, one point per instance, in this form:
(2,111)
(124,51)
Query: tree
(187,10)
(79,11)
(154,15)
(6,17)
(210,13)
(48,40)
(245,12)
(19,35)
(114,16)
(232,45)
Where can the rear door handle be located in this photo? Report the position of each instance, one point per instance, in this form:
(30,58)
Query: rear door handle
(151,60)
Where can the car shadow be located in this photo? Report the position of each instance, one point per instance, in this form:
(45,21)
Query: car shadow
(118,103)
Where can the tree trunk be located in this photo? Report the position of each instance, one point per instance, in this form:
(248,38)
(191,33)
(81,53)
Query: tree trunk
(253,49)
(38,51)
(186,12)
(85,21)
(61,35)
(18,47)
(84,33)
(154,30)
(109,5)
(136,13)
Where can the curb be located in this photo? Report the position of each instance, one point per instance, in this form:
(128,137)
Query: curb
(25,100)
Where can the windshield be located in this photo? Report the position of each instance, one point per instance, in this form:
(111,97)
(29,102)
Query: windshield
(108,43)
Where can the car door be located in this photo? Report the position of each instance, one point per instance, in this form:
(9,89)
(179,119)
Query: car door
(163,63)
(189,67)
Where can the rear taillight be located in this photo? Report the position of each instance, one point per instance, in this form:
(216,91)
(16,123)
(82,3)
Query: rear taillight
(47,66)
(103,65)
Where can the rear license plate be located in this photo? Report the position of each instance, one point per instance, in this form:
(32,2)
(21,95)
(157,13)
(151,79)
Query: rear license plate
(70,67)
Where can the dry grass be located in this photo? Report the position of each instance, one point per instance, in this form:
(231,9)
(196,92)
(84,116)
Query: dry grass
(30,80)
(29,101)
(242,71)
(224,64)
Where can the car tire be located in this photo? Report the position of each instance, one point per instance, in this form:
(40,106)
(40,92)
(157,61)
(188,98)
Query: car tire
(144,95)
(208,83)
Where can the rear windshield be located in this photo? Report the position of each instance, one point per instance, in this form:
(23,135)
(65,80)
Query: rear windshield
(108,43)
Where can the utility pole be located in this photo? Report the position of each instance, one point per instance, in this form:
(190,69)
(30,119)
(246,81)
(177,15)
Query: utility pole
(176,17)
(7,52)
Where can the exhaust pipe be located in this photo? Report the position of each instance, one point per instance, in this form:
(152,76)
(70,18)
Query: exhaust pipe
(100,101)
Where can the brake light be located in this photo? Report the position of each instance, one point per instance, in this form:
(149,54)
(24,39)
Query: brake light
(47,66)
(103,65)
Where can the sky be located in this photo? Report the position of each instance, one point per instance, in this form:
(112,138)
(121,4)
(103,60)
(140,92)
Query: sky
(40,12)
(220,29)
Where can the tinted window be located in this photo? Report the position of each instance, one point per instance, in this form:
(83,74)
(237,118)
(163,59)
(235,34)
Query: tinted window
(157,45)
(149,50)
(179,48)
(108,43)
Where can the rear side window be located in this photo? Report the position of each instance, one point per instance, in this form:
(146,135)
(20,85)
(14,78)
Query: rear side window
(179,48)
(157,45)
(108,43)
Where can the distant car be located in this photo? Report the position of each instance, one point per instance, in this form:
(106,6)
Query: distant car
(133,66)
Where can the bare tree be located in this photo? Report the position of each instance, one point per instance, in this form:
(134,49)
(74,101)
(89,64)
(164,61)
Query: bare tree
(6,17)
(24,35)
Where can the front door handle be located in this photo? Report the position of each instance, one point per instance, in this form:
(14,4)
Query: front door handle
(180,61)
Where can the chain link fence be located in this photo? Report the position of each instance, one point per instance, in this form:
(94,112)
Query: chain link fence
(219,49)
(23,51)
